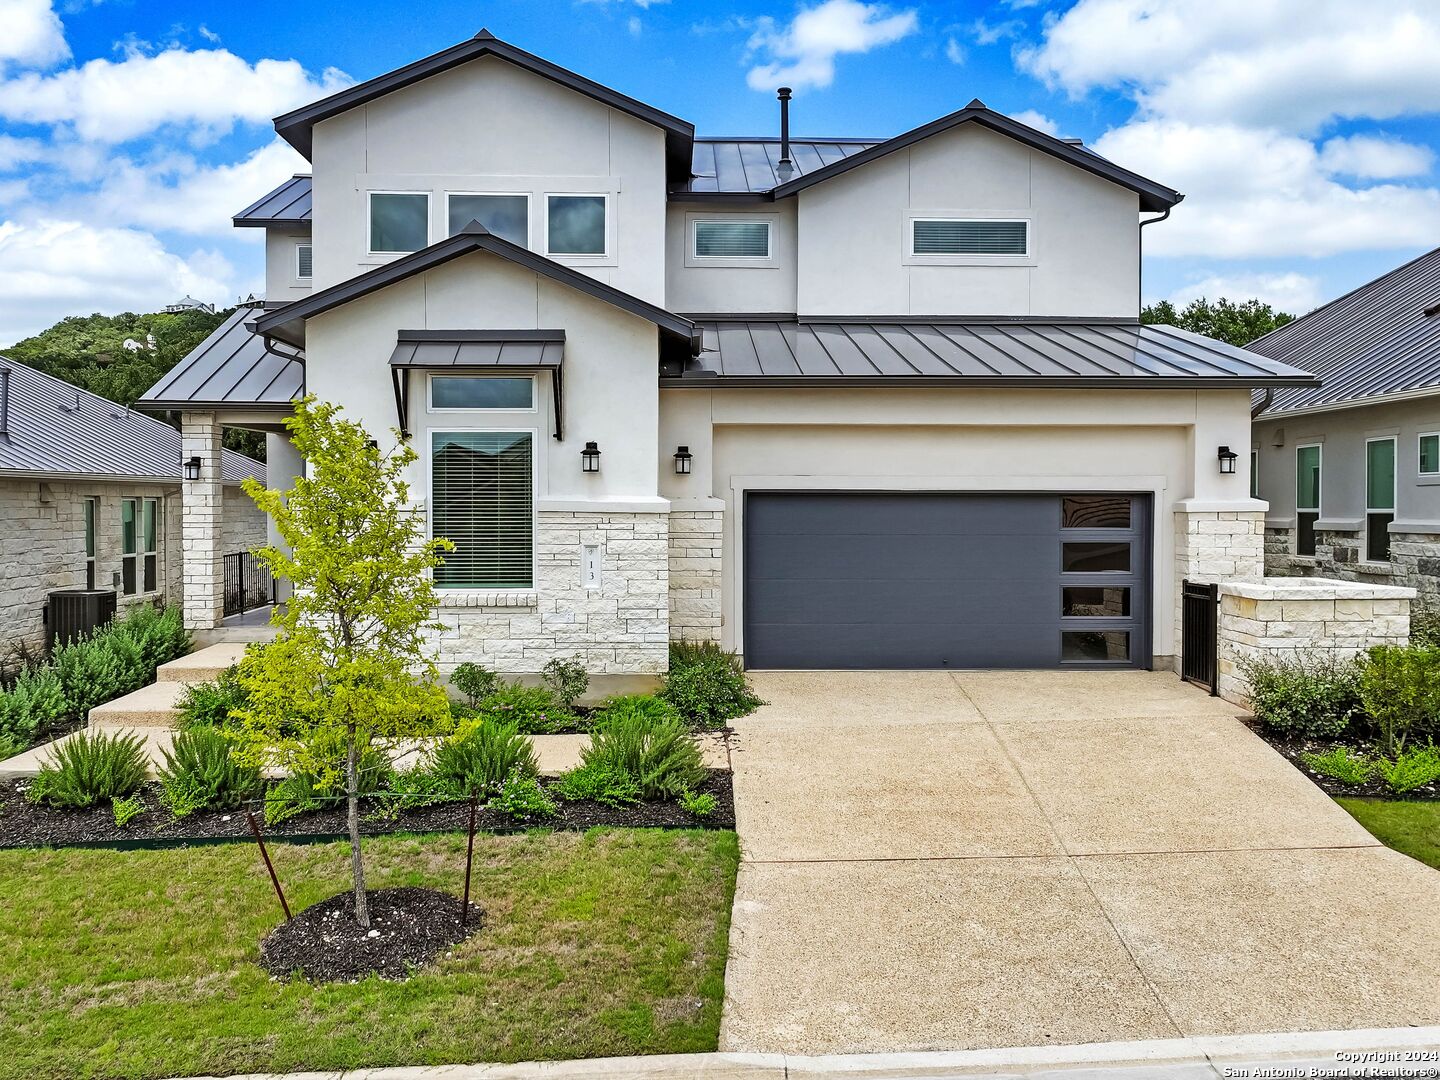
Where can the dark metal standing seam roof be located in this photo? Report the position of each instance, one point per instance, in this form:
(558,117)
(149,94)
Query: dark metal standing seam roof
(478,348)
(751,166)
(231,367)
(288,204)
(1370,343)
(770,352)
(56,429)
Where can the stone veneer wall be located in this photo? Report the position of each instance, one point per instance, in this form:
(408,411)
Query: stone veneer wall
(696,539)
(1282,616)
(621,628)
(1216,546)
(243,526)
(1414,561)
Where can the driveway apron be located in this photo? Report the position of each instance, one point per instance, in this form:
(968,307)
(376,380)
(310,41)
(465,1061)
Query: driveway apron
(938,860)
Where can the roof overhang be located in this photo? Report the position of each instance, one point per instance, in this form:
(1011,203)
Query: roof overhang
(296,127)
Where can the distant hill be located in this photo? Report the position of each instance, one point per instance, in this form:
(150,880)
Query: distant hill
(121,356)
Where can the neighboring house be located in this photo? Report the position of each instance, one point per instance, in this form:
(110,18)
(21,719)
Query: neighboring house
(90,499)
(189,303)
(834,403)
(1351,468)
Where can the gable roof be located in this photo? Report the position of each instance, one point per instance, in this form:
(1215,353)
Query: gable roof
(295,127)
(232,367)
(1378,341)
(288,323)
(1153,196)
(56,429)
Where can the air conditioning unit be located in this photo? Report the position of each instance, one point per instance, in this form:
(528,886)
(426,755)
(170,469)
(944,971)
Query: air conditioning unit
(76,613)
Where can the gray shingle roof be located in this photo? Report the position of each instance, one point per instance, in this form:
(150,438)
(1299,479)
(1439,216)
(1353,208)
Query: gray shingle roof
(58,430)
(776,352)
(289,204)
(1373,342)
(231,367)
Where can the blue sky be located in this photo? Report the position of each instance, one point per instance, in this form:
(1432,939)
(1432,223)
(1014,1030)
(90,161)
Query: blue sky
(1304,138)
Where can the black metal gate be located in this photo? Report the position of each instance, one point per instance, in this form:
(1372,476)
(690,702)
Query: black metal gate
(1199,653)
(248,583)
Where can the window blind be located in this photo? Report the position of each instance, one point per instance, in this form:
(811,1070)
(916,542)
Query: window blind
(732,239)
(302,260)
(957,237)
(481,499)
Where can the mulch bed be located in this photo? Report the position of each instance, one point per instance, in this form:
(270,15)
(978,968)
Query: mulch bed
(409,927)
(27,824)
(1375,788)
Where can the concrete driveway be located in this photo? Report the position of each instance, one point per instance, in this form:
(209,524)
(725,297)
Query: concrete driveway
(959,860)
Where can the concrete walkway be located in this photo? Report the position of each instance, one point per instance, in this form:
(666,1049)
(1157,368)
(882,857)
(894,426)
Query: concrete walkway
(966,860)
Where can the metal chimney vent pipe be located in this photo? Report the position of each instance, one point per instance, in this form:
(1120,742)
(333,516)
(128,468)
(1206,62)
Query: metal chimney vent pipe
(5,402)
(784,95)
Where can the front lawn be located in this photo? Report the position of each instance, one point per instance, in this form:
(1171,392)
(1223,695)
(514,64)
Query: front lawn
(143,963)
(1409,827)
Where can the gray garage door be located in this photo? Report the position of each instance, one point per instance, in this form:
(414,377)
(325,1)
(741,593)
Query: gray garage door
(930,580)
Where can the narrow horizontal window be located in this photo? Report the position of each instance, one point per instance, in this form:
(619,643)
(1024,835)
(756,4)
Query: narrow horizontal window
(956,236)
(1095,601)
(1430,455)
(303,261)
(1095,512)
(398,222)
(507,216)
(732,239)
(575,225)
(1095,646)
(482,500)
(481,392)
(1096,558)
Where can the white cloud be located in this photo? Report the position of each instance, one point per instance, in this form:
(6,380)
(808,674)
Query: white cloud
(954,51)
(1375,157)
(209,35)
(803,53)
(206,90)
(32,35)
(634,25)
(1292,293)
(1037,120)
(988,33)
(16,151)
(50,269)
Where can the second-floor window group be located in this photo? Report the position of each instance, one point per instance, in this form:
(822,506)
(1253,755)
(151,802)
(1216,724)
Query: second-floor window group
(575,225)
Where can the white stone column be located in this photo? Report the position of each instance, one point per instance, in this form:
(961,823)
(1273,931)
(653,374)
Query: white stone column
(202,507)
(283,466)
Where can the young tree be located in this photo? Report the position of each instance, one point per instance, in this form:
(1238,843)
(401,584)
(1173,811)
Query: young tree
(348,664)
(1238,324)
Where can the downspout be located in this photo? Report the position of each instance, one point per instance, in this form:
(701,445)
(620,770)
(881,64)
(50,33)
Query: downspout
(5,402)
(1140,253)
(1263,403)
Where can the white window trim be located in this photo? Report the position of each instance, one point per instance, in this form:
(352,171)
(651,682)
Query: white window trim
(529,209)
(498,373)
(302,280)
(535,475)
(1254,472)
(910,258)
(766,262)
(1425,476)
(569,257)
(370,221)
(1319,488)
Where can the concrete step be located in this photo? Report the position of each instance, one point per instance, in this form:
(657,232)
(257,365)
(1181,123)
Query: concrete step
(152,706)
(202,665)
(156,740)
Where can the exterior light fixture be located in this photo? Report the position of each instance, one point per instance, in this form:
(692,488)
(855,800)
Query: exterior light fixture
(590,458)
(683,457)
(1227,458)
(192,468)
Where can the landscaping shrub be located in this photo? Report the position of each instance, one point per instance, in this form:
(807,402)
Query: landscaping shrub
(91,673)
(90,768)
(210,704)
(1340,764)
(1410,769)
(475,682)
(707,684)
(481,754)
(1400,690)
(419,787)
(126,810)
(315,789)
(158,633)
(601,782)
(700,806)
(657,754)
(522,798)
(1315,694)
(1425,626)
(200,774)
(532,709)
(31,708)
(566,680)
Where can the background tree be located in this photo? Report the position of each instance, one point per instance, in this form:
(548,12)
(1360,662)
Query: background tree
(348,665)
(1238,324)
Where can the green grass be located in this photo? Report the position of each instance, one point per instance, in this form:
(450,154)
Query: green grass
(1410,827)
(143,963)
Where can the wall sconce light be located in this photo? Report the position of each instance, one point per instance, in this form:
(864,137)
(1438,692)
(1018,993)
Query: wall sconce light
(192,468)
(1227,460)
(590,458)
(683,457)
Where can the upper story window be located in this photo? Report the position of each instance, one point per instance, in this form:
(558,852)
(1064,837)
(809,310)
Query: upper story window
(575,224)
(1430,454)
(482,392)
(304,266)
(967,237)
(507,216)
(399,221)
(732,239)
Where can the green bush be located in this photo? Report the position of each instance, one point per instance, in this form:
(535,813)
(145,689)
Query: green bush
(700,806)
(658,755)
(90,674)
(707,684)
(647,707)
(481,754)
(1315,694)
(418,787)
(522,798)
(1340,764)
(158,634)
(126,810)
(210,704)
(200,774)
(1400,690)
(532,709)
(600,782)
(302,791)
(31,709)
(90,768)
(566,680)
(1425,626)
(1410,769)
(475,682)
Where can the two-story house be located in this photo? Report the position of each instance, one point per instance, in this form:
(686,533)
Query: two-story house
(835,403)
